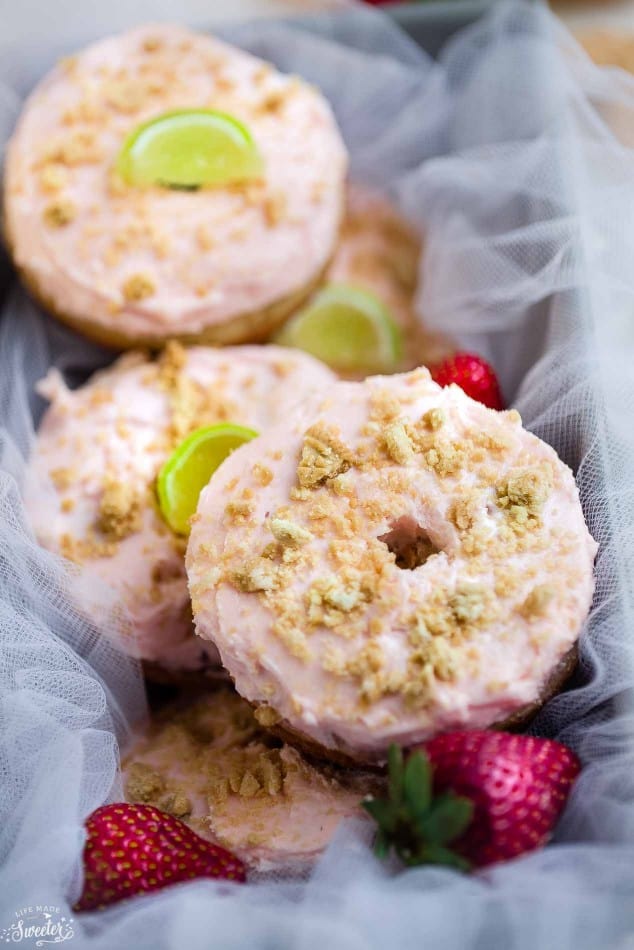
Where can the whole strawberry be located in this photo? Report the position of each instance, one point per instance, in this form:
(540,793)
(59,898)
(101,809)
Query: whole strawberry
(473,374)
(470,799)
(133,849)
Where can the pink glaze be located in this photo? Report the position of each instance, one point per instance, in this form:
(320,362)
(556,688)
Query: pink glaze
(115,427)
(465,639)
(202,257)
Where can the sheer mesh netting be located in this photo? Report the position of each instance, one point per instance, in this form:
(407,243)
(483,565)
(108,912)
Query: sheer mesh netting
(513,154)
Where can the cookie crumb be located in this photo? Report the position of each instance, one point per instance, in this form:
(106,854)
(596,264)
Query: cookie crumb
(288,533)
(57,214)
(398,444)
(119,510)
(323,456)
(537,601)
(138,287)
(144,783)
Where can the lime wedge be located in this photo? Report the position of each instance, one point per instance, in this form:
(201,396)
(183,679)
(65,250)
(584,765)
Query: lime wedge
(189,148)
(191,465)
(349,329)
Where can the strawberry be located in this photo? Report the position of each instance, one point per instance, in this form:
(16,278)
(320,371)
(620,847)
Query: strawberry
(132,849)
(470,799)
(473,374)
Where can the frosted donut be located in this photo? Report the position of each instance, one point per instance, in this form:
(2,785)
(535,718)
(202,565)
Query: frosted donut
(132,266)
(212,765)
(90,488)
(379,250)
(414,563)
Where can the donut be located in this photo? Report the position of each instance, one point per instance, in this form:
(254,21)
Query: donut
(90,486)
(379,251)
(416,563)
(134,266)
(210,763)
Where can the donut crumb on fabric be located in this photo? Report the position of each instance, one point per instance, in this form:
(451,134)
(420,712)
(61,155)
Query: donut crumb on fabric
(144,783)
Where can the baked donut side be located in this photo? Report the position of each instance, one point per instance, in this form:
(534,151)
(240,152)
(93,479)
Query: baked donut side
(139,264)
(416,563)
(90,487)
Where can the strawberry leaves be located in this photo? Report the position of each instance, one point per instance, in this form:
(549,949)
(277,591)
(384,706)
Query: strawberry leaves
(417,826)
(469,799)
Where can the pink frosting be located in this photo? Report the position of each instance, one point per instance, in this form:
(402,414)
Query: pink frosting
(319,633)
(115,426)
(201,257)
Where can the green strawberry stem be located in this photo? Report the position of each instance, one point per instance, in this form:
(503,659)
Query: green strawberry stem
(417,826)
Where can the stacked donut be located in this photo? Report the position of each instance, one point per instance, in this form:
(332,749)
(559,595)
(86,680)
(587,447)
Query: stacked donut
(387,560)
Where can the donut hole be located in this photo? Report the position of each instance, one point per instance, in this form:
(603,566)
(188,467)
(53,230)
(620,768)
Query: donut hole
(409,543)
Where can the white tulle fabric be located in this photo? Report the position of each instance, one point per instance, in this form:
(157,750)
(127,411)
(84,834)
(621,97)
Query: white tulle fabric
(513,153)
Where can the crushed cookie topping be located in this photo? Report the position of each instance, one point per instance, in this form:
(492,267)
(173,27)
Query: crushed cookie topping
(77,148)
(384,406)
(468,603)
(262,474)
(398,444)
(80,550)
(59,213)
(335,592)
(53,178)
(62,478)
(537,602)
(191,404)
(145,784)
(323,456)
(257,574)
(274,208)
(120,510)
(434,419)
(289,533)
(240,511)
(527,489)
(138,287)
(445,458)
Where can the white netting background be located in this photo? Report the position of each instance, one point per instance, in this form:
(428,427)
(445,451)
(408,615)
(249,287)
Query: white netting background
(512,153)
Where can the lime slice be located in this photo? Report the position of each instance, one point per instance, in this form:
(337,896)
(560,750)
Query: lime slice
(188,148)
(349,329)
(191,465)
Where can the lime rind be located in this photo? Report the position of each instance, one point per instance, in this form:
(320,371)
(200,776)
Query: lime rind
(349,328)
(190,467)
(177,150)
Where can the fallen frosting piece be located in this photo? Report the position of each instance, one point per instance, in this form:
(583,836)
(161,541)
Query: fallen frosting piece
(211,764)
(416,563)
(90,490)
(135,265)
